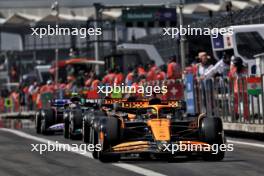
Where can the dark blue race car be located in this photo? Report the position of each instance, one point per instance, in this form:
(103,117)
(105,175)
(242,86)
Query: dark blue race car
(51,120)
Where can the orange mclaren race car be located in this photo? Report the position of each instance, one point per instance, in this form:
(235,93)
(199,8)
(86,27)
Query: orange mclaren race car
(153,128)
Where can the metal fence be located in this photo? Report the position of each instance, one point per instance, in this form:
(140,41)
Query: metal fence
(230,99)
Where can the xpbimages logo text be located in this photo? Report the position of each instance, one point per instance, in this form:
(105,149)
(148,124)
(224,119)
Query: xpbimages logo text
(62,31)
(59,147)
(174,32)
(123,89)
(189,147)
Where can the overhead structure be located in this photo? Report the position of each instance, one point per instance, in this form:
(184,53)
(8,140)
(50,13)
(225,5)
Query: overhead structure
(20,18)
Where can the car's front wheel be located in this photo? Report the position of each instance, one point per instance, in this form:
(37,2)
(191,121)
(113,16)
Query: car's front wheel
(106,139)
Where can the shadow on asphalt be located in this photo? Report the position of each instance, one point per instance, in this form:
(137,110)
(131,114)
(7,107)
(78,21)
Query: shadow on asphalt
(192,159)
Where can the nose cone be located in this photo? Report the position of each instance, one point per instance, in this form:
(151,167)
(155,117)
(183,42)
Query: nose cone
(160,129)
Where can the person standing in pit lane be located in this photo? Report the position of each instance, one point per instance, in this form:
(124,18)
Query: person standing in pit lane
(151,74)
(140,69)
(119,77)
(199,71)
(173,69)
(130,78)
(203,66)
(95,83)
(222,67)
(32,90)
(109,77)
(89,78)
(237,75)
(160,75)
(22,98)
(93,88)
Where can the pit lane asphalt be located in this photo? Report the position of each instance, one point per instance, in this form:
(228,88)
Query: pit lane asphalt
(16,158)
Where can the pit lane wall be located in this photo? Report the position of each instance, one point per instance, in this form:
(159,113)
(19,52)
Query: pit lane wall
(242,127)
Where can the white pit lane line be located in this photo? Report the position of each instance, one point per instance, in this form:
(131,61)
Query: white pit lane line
(130,167)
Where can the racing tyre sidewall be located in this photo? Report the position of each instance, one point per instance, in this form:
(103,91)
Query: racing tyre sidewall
(43,126)
(47,120)
(66,129)
(86,132)
(95,140)
(38,122)
(71,129)
(211,132)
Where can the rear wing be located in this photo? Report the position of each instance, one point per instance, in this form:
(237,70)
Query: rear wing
(178,104)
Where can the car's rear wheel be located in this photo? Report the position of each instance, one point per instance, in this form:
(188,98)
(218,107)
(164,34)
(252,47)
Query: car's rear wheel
(66,124)
(211,132)
(38,122)
(77,118)
(87,122)
(75,123)
(95,142)
(43,126)
(86,132)
(71,130)
(66,128)
(46,121)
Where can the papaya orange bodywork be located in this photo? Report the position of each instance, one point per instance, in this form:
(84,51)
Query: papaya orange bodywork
(160,129)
